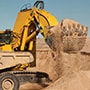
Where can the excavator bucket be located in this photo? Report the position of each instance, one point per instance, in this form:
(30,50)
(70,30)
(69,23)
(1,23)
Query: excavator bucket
(71,34)
(74,35)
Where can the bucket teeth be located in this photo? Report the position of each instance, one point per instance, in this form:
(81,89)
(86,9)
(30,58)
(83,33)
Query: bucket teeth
(74,35)
(71,33)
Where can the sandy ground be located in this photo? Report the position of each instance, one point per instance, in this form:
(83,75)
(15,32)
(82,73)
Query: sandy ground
(67,70)
(71,71)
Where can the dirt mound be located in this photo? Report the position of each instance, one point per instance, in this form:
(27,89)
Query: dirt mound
(71,81)
(74,73)
(68,71)
(69,66)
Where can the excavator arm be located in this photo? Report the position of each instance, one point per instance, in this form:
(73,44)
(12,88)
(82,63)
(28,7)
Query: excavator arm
(32,21)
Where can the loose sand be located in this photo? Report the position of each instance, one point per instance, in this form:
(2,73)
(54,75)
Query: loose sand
(68,71)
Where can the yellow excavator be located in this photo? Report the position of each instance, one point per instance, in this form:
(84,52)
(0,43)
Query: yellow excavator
(18,46)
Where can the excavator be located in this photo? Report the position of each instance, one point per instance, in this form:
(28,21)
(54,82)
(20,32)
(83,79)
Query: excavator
(18,46)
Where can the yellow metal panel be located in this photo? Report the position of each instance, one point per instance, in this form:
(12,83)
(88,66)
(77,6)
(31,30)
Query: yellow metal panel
(6,48)
(47,16)
(25,33)
(45,19)
(31,45)
(22,18)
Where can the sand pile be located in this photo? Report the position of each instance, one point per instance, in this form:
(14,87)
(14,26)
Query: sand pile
(68,71)
(75,73)
(71,81)
(71,68)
